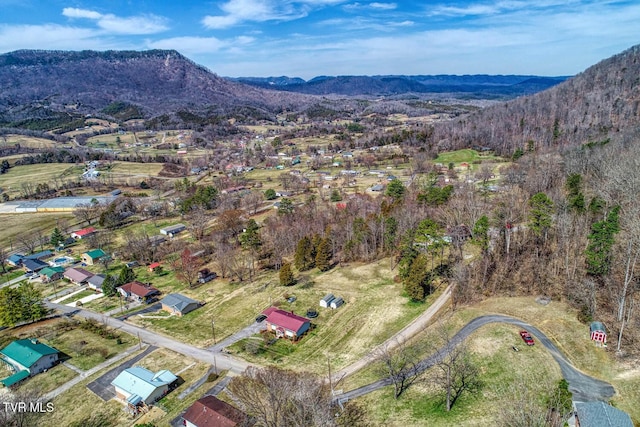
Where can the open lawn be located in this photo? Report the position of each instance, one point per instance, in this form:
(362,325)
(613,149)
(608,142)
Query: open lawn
(15,225)
(48,381)
(460,156)
(85,348)
(508,377)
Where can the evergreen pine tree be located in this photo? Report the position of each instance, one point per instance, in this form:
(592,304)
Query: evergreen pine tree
(56,237)
(323,255)
(286,275)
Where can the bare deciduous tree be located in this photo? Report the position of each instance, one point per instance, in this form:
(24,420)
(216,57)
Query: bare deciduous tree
(457,374)
(275,397)
(399,362)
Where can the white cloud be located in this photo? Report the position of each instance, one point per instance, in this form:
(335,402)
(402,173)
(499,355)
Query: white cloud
(55,37)
(199,45)
(383,6)
(236,12)
(72,12)
(133,25)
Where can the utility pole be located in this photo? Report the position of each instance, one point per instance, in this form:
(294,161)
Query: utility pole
(330,380)
(213,331)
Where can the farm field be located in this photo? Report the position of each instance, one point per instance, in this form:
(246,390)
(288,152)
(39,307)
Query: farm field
(28,141)
(13,180)
(16,224)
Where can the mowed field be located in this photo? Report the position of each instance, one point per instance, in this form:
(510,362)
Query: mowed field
(28,141)
(16,224)
(11,181)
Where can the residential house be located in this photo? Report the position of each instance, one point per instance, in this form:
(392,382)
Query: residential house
(598,333)
(33,265)
(209,411)
(39,255)
(93,256)
(173,230)
(286,324)
(25,358)
(79,276)
(95,282)
(81,234)
(15,260)
(377,187)
(205,275)
(138,387)
(179,304)
(326,301)
(51,274)
(138,291)
(598,414)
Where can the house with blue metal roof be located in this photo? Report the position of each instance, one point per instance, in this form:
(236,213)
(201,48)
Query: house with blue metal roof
(598,414)
(179,304)
(138,386)
(15,259)
(27,357)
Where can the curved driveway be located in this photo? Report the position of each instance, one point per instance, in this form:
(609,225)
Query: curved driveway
(583,387)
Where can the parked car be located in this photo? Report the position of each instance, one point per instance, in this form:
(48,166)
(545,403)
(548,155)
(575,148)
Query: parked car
(526,337)
(261,318)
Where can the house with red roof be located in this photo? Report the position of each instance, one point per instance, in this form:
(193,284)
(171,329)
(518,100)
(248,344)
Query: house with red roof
(210,411)
(138,291)
(81,234)
(286,324)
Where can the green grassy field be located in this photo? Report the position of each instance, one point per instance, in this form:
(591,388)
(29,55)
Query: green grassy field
(16,224)
(12,181)
(86,349)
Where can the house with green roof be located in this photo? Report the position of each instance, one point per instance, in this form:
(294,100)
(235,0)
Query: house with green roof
(93,256)
(24,358)
(50,274)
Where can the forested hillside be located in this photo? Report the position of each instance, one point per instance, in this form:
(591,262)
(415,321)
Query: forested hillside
(599,103)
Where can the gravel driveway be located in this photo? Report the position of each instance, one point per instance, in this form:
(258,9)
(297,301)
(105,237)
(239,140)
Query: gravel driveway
(584,387)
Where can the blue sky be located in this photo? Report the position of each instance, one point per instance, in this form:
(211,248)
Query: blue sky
(306,38)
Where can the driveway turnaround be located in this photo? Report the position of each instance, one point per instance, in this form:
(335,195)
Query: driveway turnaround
(584,387)
(102,385)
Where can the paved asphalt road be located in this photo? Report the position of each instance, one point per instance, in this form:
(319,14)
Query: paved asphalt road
(102,385)
(583,387)
(222,361)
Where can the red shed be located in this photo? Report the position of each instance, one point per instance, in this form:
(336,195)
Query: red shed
(598,333)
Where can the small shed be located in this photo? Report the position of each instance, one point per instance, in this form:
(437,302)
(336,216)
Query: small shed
(598,333)
(326,301)
(336,302)
(154,266)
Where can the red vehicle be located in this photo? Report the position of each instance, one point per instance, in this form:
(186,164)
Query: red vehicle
(526,337)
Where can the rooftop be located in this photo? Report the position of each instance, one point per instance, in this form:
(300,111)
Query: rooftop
(286,319)
(27,352)
(141,381)
(600,414)
(178,301)
(210,411)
